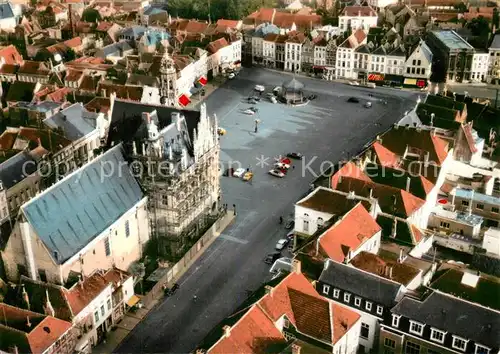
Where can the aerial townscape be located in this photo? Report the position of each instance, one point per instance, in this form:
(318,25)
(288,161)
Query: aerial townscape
(250,176)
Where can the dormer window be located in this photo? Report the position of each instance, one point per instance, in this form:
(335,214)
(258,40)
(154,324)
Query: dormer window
(437,335)
(459,343)
(481,349)
(347,297)
(395,320)
(416,328)
(336,293)
(326,289)
(380,310)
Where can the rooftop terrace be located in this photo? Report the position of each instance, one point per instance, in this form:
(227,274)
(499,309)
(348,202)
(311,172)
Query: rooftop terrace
(452,40)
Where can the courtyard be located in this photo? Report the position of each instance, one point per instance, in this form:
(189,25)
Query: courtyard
(327,129)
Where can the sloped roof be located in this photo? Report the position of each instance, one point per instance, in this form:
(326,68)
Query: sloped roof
(399,230)
(348,234)
(358,282)
(363,49)
(21,91)
(329,201)
(81,294)
(391,200)
(74,121)
(354,11)
(385,157)
(350,169)
(17,168)
(6,11)
(399,51)
(11,55)
(448,313)
(496,42)
(380,51)
(293,84)
(68,215)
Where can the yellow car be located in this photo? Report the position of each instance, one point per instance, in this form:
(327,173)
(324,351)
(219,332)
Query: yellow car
(247,176)
(221,131)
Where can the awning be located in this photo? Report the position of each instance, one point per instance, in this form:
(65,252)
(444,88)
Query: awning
(375,77)
(133,300)
(203,80)
(319,67)
(421,83)
(410,81)
(184,100)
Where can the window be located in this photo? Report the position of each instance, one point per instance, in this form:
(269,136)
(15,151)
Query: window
(357,301)
(414,62)
(306,226)
(395,320)
(459,343)
(365,330)
(347,297)
(103,311)
(326,289)
(109,304)
(419,62)
(445,225)
(494,210)
(127,229)
(389,343)
(96,316)
(480,206)
(368,306)
(465,202)
(42,275)
(416,328)
(379,310)
(336,293)
(437,335)
(107,249)
(286,323)
(412,348)
(481,349)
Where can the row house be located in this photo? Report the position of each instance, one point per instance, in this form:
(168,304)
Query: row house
(25,331)
(479,66)
(494,60)
(481,204)
(256,44)
(418,65)
(27,71)
(293,51)
(353,18)
(354,288)
(290,315)
(38,246)
(91,305)
(345,55)
(436,322)
(284,20)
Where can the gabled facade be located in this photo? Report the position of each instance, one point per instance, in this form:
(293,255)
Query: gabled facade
(346,55)
(357,17)
(418,66)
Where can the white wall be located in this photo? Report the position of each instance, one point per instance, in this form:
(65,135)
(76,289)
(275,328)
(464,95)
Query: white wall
(417,66)
(257,45)
(350,341)
(395,65)
(479,69)
(345,63)
(422,247)
(312,217)
(356,22)
(491,241)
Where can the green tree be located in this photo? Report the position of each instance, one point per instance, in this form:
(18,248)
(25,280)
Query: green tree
(91,15)
(461,7)
(496,18)
(479,26)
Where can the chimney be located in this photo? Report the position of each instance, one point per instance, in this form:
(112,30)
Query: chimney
(390,272)
(433,133)
(401,258)
(394,228)
(370,191)
(49,310)
(297,266)
(227,330)
(379,139)
(269,289)
(146,117)
(26,298)
(28,323)
(432,119)
(359,13)
(408,182)
(296,348)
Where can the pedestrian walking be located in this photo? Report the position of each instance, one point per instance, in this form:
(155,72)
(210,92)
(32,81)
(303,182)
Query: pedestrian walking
(281,220)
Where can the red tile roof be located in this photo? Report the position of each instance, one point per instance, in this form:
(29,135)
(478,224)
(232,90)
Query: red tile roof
(47,333)
(104,26)
(343,320)
(391,200)
(73,75)
(57,48)
(133,93)
(360,35)
(7,140)
(74,42)
(34,68)
(10,69)
(98,105)
(228,23)
(283,19)
(426,184)
(192,26)
(385,157)
(350,169)
(215,46)
(354,11)
(82,293)
(11,55)
(467,129)
(348,234)
(59,95)
(418,235)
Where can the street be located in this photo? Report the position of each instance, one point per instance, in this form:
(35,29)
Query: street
(328,128)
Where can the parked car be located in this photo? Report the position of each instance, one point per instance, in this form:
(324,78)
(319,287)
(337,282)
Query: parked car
(255,98)
(295,155)
(251,100)
(259,88)
(221,131)
(312,97)
(368,104)
(290,235)
(255,109)
(239,172)
(281,165)
(231,76)
(370,85)
(353,100)
(273,100)
(281,244)
(172,290)
(353,83)
(290,223)
(272,257)
(269,94)
(277,90)
(248,176)
(277,173)
(249,111)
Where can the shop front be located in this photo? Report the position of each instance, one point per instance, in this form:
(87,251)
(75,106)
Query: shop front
(414,83)
(393,80)
(377,79)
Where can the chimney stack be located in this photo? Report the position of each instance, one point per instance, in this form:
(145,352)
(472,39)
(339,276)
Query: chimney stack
(26,298)
(400,259)
(370,191)
(390,272)
(296,348)
(227,330)
(49,310)
(408,182)
(28,323)
(297,266)
(269,289)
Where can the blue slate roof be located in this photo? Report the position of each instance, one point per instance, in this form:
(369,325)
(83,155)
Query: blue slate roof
(477,197)
(73,121)
(264,29)
(150,10)
(6,11)
(153,37)
(16,169)
(133,31)
(70,214)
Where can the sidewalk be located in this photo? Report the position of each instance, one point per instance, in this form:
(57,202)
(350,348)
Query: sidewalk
(132,319)
(209,89)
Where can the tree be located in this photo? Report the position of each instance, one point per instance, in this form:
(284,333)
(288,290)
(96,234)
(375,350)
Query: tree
(496,18)
(91,15)
(461,7)
(479,26)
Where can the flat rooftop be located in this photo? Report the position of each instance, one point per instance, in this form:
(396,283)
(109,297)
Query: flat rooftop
(452,40)
(477,197)
(464,218)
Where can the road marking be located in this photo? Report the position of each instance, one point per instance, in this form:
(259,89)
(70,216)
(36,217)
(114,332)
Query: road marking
(233,239)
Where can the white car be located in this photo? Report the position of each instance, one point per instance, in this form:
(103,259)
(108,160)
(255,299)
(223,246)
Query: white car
(277,89)
(281,165)
(259,88)
(353,83)
(368,105)
(281,244)
(273,100)
(231,76)
(277,173)
(239,172)
(249,111)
